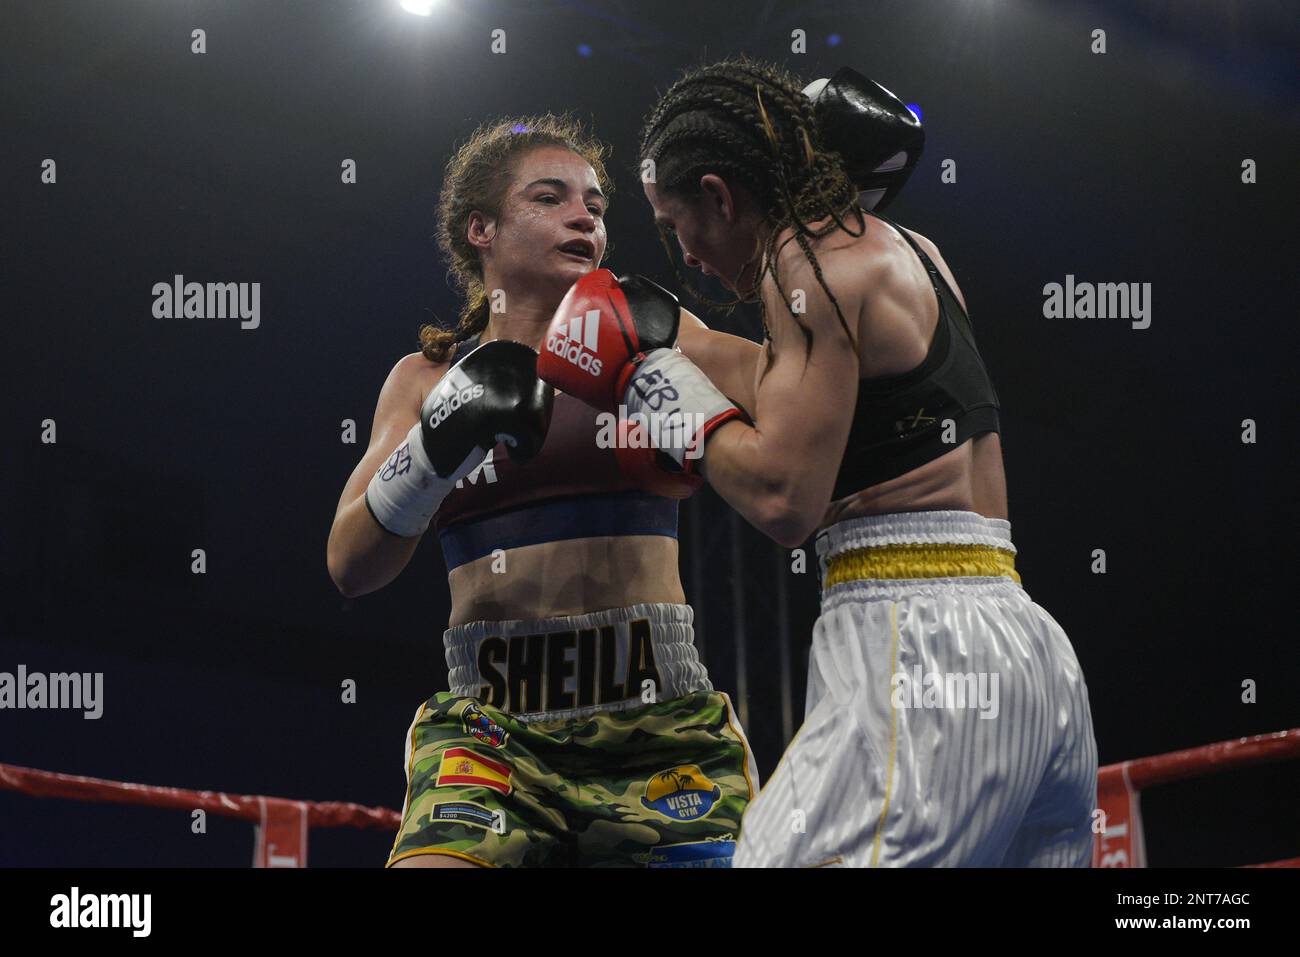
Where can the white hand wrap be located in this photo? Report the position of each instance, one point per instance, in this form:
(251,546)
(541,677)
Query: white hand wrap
(406,492)
(678,404)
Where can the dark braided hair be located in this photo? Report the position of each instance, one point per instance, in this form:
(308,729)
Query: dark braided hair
(476,178)
(749,121)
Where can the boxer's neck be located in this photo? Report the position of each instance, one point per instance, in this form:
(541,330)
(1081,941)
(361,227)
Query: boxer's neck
(519,317)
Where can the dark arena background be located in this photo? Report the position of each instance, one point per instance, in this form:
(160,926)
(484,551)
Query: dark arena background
(1150,464)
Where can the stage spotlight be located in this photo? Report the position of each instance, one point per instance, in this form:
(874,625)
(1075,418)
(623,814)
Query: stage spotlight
(916,110)
(421,8)
(584,50)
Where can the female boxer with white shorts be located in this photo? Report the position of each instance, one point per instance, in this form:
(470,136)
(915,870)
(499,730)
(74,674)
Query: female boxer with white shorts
(947,718)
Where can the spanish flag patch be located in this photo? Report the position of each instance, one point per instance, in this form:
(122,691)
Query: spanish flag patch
(461,767)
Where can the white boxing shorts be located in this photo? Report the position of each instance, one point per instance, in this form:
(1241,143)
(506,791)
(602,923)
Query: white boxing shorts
(947,720)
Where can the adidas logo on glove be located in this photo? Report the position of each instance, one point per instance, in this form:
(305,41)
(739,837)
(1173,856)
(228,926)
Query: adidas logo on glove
(465,390)
(577,343)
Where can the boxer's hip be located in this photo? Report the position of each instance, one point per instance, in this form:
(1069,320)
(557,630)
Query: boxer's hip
(591,739)
(934,591)
(661,784)
(577,665)
(929,663)
(882,556)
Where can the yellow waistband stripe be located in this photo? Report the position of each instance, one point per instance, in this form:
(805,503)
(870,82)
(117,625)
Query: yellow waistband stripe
(926,560)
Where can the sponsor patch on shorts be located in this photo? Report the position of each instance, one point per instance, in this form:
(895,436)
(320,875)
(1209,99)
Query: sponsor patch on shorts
(463,768)
(467,812)
(692,854)
(480,726)
(683,793)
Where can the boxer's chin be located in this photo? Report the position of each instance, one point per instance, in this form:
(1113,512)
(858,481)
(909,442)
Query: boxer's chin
(573,268)
(721,280)
(708,272)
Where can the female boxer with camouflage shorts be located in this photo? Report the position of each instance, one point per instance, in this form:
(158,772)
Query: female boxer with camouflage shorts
(580,727)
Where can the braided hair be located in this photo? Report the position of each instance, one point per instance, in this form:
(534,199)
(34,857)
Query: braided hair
(476,178)
(749,121)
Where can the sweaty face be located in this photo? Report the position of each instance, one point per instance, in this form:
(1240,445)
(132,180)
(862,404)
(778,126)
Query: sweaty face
(710,241)
(552,224)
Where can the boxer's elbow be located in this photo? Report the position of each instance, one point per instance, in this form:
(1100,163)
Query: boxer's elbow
(344,570)
(347,590)
(793,532)
(769,489)
(351,586)
(339,576)
(782,518)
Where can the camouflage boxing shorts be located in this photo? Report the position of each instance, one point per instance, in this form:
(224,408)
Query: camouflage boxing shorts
(604,780)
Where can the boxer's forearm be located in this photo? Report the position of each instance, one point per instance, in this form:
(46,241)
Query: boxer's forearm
(779,473)
(770,487)
(729,361)
(363,557)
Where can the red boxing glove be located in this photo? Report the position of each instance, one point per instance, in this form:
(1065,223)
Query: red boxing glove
(652,470)
(603,328)
(610,345)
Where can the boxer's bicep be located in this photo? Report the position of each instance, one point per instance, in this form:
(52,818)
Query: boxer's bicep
(397,409)
(805,404)
(779,472)
(727,360)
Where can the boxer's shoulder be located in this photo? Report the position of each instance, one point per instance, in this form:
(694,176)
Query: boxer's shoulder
(930,249)
(415,375)
(847,265)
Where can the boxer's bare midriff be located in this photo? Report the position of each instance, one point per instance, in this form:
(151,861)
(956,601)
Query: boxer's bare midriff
(572,577)
(969,479)
(579,576)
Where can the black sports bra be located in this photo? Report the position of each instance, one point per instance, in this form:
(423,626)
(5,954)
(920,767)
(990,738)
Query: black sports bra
(901,422)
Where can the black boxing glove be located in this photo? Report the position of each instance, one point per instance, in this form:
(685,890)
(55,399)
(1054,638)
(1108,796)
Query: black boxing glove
(878,136)
(492,395)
